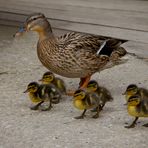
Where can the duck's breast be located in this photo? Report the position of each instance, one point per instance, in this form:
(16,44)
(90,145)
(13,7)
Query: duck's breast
(133,111)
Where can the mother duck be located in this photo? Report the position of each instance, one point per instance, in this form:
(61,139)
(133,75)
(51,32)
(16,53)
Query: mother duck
(74,55)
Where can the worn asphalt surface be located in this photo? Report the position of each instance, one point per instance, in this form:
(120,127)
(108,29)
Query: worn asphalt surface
(21,127)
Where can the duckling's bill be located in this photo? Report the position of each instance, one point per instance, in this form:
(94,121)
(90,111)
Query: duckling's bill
(26,91)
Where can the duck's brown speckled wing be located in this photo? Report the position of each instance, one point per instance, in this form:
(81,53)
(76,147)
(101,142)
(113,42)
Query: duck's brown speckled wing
(92,43)
(77,41)
(80,50)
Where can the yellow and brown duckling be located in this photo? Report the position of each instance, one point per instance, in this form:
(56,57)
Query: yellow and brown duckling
(102,92)
(137,107)
(83,100)
(133,89)
(42,93)
(73,55)
(49,78)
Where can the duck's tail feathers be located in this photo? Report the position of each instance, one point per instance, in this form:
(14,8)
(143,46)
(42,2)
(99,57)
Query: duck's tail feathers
(109,45)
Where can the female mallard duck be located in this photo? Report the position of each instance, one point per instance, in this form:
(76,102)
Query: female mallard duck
(133,89)
(41,93)
(49,78)
(137,107)
(102,92)
(83,100)
(73,55)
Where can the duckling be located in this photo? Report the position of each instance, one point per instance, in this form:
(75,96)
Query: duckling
(41,93)
(83,100)
(133,89)
(102,92)
(137,107)
(49,78)
(73,55)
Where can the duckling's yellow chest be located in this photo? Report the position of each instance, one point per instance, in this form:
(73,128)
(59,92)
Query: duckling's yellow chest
(34,99)
(133,112)
(79,104)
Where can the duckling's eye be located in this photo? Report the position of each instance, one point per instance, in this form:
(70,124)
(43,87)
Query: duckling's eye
(30,87)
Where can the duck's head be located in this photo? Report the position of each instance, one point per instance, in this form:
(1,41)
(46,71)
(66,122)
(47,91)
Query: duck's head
(79,94)
(134,100)
(37,22)
(132,89)
(32,87)
(47,78)
(92,86)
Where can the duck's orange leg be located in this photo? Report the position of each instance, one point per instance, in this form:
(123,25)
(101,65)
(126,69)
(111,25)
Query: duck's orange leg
(83,84)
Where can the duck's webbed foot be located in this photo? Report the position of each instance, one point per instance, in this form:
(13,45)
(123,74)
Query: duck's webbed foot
(83,84)
(56,100)
(36,106)
(81,116)
(46,109)
(49,107)
(97,114)
(133,124)
(130,126)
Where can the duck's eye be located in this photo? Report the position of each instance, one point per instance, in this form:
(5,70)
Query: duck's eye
(34,19)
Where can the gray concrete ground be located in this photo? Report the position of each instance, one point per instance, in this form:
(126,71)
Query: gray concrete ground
(21,127)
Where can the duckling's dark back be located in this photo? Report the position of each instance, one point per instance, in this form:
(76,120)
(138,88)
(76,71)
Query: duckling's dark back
(45,90)
(105,93)
(143,92)
(143,106)
(92,99)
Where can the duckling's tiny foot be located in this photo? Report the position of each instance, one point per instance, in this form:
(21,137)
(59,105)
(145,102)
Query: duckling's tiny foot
(130,126)
(95,116)
(55,101)
(145,125)
(34,107)
(79,117)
